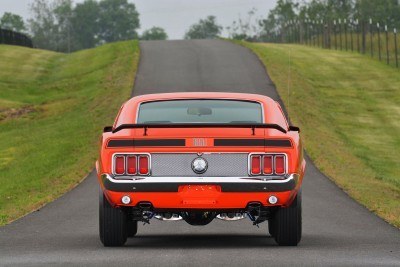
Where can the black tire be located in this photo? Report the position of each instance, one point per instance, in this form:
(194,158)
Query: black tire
(287,223)
(132,228)
(112,222)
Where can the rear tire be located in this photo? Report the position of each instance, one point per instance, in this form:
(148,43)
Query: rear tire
(132,228)
(112,222)
(286,225)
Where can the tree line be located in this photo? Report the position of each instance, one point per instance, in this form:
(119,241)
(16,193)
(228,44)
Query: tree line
(385,12)
(60,25)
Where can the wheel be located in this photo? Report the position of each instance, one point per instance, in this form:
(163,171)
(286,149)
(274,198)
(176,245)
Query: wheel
(286,225)
(112,222)
(132,228)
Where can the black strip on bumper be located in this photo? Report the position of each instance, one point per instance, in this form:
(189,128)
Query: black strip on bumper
(145,142)
(173,187)
(253,142)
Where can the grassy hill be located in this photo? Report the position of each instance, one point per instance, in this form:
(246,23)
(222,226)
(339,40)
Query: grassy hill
(348,107)
(52,109)
(355,40)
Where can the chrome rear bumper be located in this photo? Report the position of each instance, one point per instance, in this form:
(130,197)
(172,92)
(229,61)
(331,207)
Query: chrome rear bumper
(227,184)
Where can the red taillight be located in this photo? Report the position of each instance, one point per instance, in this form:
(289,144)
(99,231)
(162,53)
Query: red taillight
(143,165)
(119,165)
(255,164)
(131,164)
(268,164)
(280,165)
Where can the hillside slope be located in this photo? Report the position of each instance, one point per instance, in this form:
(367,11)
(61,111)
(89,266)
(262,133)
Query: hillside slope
(347,106)
(52,109)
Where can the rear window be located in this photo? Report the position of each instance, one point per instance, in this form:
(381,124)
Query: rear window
(200,111)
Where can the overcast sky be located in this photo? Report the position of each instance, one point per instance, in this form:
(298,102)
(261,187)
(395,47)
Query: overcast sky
(175,16)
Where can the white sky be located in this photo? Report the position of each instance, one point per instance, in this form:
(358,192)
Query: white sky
(175,16)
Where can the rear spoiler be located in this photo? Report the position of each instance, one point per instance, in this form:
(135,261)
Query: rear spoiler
(252,126)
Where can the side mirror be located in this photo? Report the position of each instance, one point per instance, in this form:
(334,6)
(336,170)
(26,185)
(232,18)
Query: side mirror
(107,129)
(294,128)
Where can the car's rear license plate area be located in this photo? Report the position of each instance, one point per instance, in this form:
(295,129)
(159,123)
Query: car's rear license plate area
(199,194)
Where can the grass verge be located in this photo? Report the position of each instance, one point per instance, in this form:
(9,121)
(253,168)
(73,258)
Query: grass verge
(347,106)
(52,108)
(377,44)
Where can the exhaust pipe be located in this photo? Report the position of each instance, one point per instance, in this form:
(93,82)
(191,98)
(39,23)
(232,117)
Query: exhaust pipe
(167,216)
(145,206)
(231,216)
(253,208)
(257,213)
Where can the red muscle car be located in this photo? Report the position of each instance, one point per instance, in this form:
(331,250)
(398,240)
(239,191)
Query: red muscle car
(197,157)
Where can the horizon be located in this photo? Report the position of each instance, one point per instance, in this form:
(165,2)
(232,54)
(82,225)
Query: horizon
(175,16)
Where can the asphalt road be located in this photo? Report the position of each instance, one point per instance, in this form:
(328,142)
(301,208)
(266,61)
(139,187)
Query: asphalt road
(337,230)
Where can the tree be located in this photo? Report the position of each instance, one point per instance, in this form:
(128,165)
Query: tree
(42,25)
(339,9)
(282,13)
(84,23)
(50,24)
(270,29)
(118,20)
(204,29)
(155,33)
(315,10)
(246,29)
(63,13)
(383,11)
(12,22)
(58,25)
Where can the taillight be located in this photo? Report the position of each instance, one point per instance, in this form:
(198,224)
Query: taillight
(143,165)
(255,165)
(280,164)
(131,165)
(268,164)
(120,165)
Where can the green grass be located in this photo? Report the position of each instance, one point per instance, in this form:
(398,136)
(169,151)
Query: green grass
(348,107)
(52,110)
(355,41)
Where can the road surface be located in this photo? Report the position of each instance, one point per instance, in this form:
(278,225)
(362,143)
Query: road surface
(337,230)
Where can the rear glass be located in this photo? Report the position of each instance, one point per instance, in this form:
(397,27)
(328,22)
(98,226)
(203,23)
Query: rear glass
(200,111)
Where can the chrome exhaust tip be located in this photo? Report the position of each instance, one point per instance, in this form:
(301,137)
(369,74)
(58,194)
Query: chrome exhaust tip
(231,216)
(168,216)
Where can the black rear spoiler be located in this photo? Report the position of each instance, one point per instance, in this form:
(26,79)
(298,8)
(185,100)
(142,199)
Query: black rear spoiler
(252,126)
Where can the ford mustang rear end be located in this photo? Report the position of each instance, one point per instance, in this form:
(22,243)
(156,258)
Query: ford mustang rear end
(199,157)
